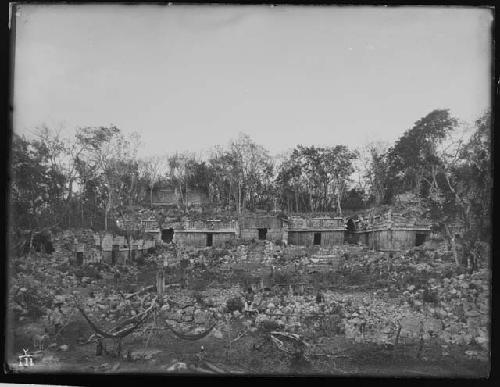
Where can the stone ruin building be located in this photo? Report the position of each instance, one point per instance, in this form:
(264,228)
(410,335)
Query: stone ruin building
(261,227)
(206,233)
(316,231)
(388,232)
(385,232)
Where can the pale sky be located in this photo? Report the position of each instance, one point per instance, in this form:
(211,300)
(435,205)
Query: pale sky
(190,77)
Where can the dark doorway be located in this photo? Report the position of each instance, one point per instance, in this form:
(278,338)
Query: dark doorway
(167,235)
(420,239)
(317,238)
(49,248)
(350,235)
(210,239)
(79,258)
(114,253)
(262,234)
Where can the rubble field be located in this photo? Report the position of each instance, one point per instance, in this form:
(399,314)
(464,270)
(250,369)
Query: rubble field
(253,308)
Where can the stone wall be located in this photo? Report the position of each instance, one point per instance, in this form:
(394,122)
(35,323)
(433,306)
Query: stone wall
(220,239)
(391,240)
(194,239)
(199,239)
(273,234)
(255,222)
(306,238)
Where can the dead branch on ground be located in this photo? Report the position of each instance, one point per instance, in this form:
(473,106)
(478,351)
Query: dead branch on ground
(192,337)
(143,290)
(118,333)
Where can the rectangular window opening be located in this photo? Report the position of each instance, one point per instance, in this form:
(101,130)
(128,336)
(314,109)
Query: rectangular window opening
(79,258)
(167,235)
(317,238)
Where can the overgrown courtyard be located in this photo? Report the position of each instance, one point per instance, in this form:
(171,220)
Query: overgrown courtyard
(342,310)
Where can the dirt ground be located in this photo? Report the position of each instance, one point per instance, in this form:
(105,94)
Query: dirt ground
(357,359)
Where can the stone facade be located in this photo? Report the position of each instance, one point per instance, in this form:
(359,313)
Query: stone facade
(319,231)
(392,232)
(265,227)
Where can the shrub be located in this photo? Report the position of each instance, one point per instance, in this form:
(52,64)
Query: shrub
(63,267)
(281,260)
(430,296)
(198,284)
(331,325)
(88,271)
(266,326)
(231,243)
(356,277)
(283,278)
(242,277)
(34,300)
(198,297)
(233,304)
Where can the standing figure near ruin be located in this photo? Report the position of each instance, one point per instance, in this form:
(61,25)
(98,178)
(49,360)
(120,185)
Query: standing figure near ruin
(249,297)
(319,297)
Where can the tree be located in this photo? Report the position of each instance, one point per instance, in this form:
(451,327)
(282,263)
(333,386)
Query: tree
(59,155)
(317,176)
(353,199)
(242,174)
(107,154)
(373,171)
(462,188)
(288,181)
(222,186)
(467,175)
(152,169)
(251,164)
(180,169)
(413,160)
(29,184)
(200,176)
(339,167)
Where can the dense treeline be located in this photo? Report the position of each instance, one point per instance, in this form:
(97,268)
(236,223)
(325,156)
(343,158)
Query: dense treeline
(84,180)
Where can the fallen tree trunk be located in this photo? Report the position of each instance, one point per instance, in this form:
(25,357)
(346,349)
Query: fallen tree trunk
(192,337)
(114,333)
(213,367)
(143,290)
(128,321)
